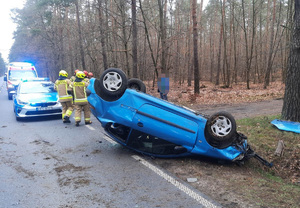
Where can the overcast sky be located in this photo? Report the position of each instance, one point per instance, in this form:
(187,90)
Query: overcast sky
(8,27)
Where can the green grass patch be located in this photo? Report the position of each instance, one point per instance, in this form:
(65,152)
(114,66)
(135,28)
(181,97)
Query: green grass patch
(263,136)
(282,180)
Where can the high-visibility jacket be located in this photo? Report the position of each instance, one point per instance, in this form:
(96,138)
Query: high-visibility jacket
(79,92)
(62,87)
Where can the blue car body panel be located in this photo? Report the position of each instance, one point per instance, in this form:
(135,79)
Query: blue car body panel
(287,125)
(159,118)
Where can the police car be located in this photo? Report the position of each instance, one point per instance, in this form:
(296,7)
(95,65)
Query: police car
(36,97)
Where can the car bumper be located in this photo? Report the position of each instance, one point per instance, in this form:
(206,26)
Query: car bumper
(30,111)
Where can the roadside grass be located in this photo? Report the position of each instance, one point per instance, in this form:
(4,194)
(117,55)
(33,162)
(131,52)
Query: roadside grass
(252,183)
(278,186)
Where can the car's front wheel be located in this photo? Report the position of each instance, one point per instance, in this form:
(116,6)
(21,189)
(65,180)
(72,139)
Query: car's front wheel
(111,85)
(220,129)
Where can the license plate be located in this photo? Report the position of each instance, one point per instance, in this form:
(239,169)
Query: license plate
(44,108)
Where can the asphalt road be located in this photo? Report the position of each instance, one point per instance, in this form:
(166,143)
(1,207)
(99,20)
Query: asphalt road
(45,163)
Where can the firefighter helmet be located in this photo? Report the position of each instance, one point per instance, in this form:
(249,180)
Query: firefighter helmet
(63,73)
(80,74)
(85,73)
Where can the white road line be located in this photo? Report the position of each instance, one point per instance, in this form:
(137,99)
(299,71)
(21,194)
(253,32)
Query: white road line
(90,127)
(203,201)
(109,140)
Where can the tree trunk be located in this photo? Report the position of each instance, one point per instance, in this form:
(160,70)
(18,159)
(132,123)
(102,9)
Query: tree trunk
(220,48)
(291,101)
(102,35)
(271,47)
(149,43)
(234,32)
(122,11)
(212,45)
(70,52)
(134,40)
(249,48)
(289,18)
(163,38)
(195,43)
(80,36)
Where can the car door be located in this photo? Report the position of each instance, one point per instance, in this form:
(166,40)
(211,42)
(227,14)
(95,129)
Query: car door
(167,124)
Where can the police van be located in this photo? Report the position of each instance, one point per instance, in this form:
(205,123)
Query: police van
(16,72)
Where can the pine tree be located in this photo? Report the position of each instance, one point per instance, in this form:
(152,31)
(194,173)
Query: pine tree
(291,102)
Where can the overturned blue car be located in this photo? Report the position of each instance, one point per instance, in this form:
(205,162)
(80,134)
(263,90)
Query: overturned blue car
(158,128)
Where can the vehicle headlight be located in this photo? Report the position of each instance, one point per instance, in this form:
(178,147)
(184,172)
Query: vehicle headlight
(22,102)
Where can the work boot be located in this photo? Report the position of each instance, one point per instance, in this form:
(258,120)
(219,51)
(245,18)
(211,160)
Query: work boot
(77,123)
(67,118)
(88,122)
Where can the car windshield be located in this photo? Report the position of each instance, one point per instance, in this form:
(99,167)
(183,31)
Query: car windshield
(36,87)
(19,74)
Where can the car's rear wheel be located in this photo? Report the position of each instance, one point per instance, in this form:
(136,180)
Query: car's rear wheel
(136,84)
(111,85)
(220,129)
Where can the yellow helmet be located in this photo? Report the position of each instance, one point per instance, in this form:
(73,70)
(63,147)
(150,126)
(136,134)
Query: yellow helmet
(63,73)
(80,74)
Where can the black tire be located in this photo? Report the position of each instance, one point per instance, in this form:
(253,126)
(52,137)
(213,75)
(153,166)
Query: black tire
(111,85)
(136,84)
(220,129)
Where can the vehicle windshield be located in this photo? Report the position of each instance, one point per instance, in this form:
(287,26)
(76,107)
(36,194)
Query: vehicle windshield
(36,87)
(19,74)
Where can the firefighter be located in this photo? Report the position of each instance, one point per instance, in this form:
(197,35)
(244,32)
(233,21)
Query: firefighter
(62,86)
(72,79)
(80,99)
(90,75)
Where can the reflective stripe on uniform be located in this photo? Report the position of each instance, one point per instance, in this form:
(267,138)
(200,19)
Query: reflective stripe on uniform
(80,100)
(69,113)
(79,84)
(65,97)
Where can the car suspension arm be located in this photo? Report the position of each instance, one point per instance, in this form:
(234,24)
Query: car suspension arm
(262,160)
